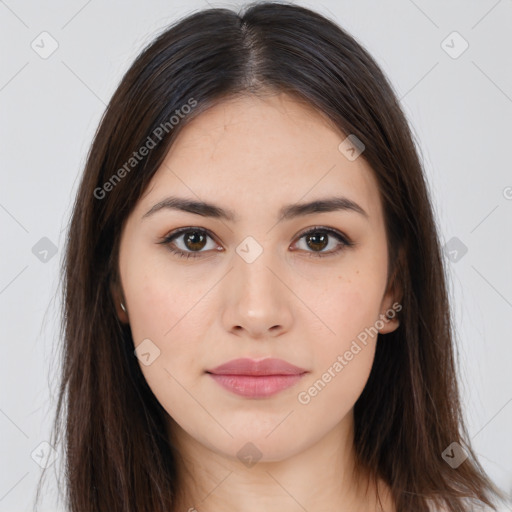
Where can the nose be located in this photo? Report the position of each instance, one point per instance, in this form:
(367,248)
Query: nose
(258,302)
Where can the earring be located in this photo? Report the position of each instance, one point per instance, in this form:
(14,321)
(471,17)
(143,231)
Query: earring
(390,316)
(122,307)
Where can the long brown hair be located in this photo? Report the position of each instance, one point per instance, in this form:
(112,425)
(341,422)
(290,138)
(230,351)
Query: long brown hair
(118,456)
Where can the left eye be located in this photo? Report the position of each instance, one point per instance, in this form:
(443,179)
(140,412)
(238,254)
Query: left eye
(194,240)
(319,238)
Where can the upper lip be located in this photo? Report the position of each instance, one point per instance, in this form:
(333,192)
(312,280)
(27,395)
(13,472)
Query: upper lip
(246,366)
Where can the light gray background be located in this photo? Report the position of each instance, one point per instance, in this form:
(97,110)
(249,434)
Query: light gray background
(460,110)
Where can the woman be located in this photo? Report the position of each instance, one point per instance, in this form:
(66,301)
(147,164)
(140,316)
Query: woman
(255,310)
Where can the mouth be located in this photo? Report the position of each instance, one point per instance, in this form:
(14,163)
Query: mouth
(256,379)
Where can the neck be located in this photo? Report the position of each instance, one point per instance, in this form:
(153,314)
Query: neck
(321,477)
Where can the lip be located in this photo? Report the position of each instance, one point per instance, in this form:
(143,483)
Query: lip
(256,379)
(247,366)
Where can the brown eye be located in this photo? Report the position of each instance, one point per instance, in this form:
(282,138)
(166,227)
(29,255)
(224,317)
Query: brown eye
(318,238)
(189,242)
(317,241)
(194,240)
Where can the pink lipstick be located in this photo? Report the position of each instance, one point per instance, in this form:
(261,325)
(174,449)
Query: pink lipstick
(256,379)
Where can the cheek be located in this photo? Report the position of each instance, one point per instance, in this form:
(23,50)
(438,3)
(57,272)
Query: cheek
(170,306)
(159,297)
(346,294)
(162,311)
(154,306)
(347,305)
(333,391)
(343,359)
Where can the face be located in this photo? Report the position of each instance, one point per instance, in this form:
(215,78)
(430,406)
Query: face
(306,286)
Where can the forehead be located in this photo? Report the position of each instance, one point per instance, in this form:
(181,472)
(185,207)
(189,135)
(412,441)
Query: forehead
(256,152)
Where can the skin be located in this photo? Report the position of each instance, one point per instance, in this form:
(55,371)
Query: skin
(253,155)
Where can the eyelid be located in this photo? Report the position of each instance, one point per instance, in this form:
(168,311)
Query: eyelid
(167,239)
(343,239)
(332,231)
(175,233)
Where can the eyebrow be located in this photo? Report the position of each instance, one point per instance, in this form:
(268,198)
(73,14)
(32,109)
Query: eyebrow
(287,212)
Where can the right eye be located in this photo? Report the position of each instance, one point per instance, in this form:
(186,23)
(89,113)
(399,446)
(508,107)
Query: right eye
(193,241)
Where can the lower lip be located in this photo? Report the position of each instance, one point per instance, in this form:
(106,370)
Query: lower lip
(252,386)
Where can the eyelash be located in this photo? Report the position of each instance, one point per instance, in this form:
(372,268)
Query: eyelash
(344,241)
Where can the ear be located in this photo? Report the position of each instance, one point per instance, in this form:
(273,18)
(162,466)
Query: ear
(391,303)
(390,314)
(118,297)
